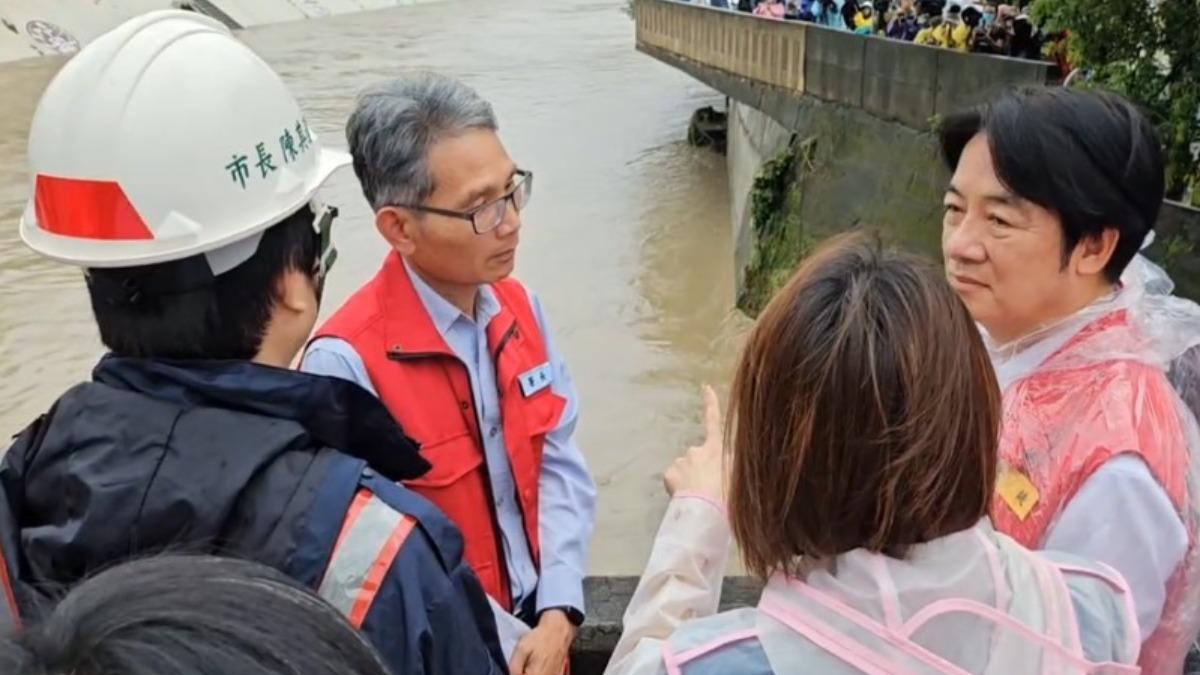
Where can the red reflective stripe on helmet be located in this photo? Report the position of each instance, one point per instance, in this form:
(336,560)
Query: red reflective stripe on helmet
(87,209)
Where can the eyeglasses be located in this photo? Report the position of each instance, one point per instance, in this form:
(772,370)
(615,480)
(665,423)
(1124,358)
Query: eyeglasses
(487,217)
(326,251)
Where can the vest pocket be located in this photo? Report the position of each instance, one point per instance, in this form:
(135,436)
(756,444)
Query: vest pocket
(543,412)
(451,459)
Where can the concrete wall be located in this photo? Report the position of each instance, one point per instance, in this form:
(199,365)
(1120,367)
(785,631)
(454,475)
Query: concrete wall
(753,139)
(1177,246)
(606,599)
(856,171)
(892,80)
(31,28)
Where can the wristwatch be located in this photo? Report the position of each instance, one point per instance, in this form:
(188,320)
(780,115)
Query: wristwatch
(573,615)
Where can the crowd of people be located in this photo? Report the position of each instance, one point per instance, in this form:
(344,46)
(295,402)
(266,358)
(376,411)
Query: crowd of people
(986,27)
(984,467)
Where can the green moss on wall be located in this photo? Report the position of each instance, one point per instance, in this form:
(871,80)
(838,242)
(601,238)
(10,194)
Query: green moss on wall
(850,171)
(776,201)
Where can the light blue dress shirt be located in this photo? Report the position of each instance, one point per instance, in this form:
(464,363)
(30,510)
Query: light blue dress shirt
(566,512)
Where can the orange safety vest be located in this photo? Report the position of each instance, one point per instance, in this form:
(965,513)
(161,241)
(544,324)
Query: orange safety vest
(1064,421)
(427,389)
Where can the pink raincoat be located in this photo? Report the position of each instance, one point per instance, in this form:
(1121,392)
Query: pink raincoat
(1088,389)
(971,602)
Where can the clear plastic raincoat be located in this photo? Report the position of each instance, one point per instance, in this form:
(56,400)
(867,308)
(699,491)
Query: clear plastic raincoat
(1120,377)
(971,602)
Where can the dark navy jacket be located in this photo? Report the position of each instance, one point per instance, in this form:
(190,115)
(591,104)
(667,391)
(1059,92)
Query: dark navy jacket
(246,460)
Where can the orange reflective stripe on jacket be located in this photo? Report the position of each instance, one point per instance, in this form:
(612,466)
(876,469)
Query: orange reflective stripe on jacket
(12,612)
(371,537)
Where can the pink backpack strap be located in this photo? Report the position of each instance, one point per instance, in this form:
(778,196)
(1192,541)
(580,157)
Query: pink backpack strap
(674,661)
(996,616)
(889,598)
(1115,581)
(897,638)
(999,580)
(829,639)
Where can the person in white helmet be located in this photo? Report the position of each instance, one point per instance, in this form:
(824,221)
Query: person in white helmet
(173,165)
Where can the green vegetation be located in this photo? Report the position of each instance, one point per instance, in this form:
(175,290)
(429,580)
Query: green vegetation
(1150,52)
(780,239)
(1176,249)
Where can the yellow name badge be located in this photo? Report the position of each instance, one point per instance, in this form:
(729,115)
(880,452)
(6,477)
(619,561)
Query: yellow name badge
(1018,492)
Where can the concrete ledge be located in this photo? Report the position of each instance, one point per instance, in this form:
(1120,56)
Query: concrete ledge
(834,66)
(965,79)
(895,81)
(607,598)
(900,81)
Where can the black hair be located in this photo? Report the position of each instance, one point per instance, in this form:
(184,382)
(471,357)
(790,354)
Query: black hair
(179,310)
(1090,157)
(189,616)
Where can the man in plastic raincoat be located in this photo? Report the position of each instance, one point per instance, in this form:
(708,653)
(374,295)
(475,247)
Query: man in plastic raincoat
(1053,194)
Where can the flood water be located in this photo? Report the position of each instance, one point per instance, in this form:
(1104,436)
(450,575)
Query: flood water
(626,239)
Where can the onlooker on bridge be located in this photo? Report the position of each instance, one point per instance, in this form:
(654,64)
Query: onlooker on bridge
(800,10)
(864,19)
(830,13)
(1026,40)
(929,27)
(971,31)
(1054,192)
(904,27)
(931,8)
(189,616)
(771,9)
(996,33)
(861,467)
(953,33)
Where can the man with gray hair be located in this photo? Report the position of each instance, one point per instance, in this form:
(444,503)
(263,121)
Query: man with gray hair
(460,354)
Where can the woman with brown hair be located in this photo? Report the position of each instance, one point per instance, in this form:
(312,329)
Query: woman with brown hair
(862,458)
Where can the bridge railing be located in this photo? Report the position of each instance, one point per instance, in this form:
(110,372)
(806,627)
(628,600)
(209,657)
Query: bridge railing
(891,79)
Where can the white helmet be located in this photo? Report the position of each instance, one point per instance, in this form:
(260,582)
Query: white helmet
(163,139)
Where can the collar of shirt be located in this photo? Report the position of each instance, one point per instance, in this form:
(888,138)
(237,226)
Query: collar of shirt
(443,313)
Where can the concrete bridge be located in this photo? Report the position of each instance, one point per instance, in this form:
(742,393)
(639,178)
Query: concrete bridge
(856,113)
(756,60)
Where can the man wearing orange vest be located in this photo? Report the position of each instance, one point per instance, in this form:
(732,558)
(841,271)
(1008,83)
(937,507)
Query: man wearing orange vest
(459,353)
(1054,192)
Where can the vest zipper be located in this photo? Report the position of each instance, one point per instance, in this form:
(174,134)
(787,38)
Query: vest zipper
(512,330)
